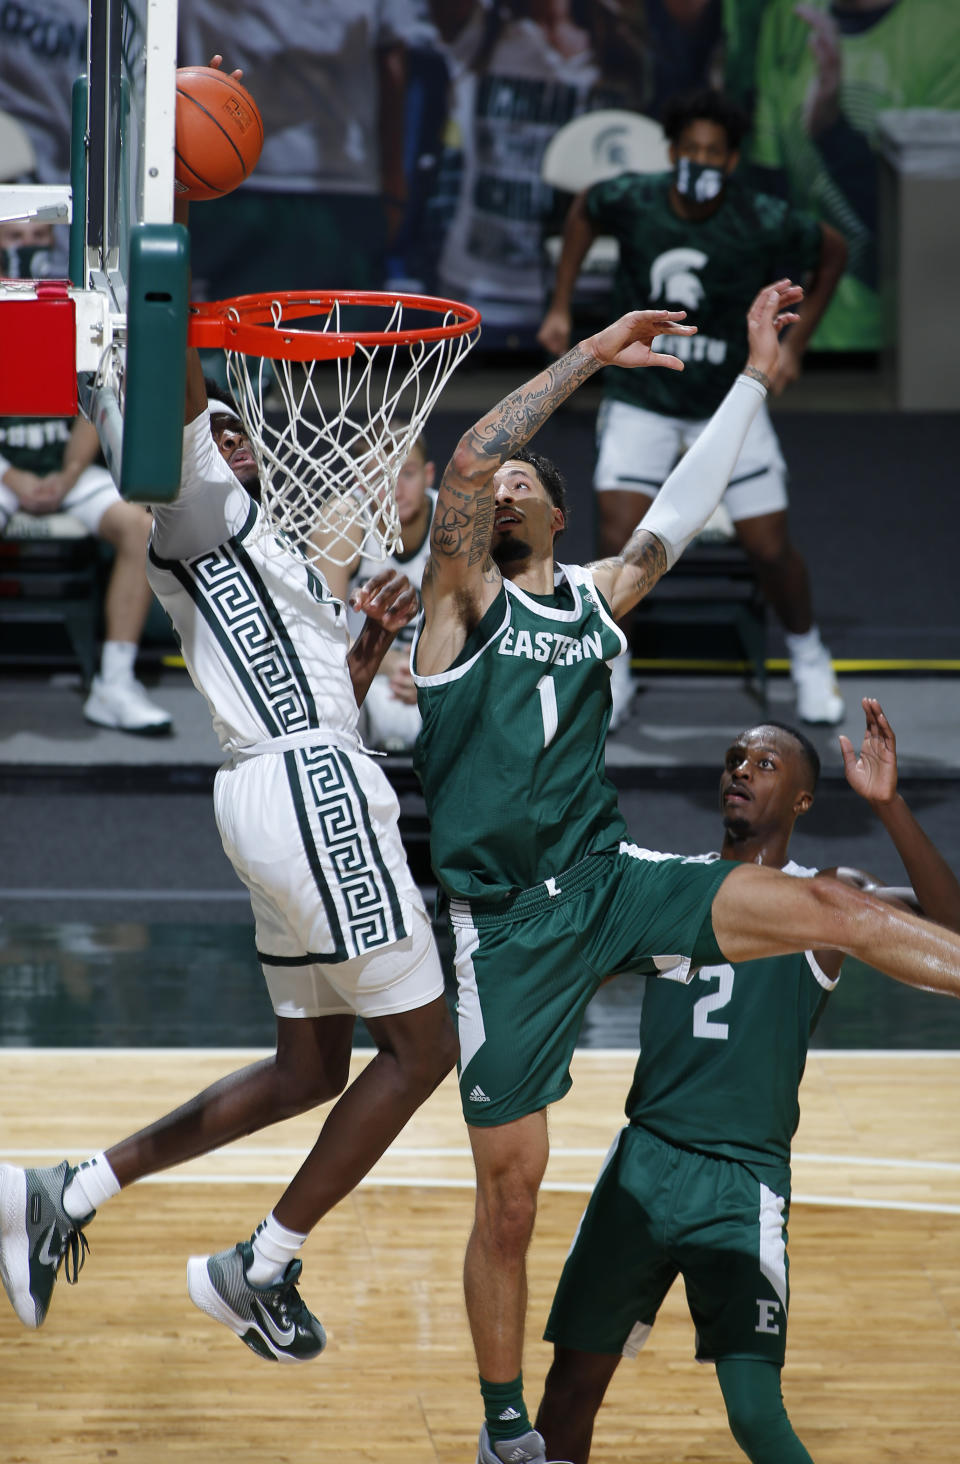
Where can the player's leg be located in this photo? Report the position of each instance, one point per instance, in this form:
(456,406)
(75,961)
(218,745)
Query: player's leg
(757,503)
(614,1280)
(758,1420)
(117,699)
(518,1029)
(510,1161)
(575,1387)
(635,451)
(760,912)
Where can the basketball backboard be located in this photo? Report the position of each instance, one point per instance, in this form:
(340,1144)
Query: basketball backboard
(129,262)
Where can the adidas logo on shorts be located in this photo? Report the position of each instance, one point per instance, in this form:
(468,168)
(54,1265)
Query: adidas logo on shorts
(477,1095)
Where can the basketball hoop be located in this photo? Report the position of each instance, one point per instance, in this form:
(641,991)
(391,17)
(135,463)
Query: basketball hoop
(335,415)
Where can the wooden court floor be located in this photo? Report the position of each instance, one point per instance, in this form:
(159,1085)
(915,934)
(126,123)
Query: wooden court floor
(125,1368)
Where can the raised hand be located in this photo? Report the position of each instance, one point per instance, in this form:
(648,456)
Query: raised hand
(387,598)
(874,773)
(770,312)
(627,341)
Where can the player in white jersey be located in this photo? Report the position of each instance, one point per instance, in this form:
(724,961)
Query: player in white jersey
(390,717)
(310,825)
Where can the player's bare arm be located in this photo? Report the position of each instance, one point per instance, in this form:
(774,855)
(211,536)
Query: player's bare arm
(389,602)
(697,483)
(460,581)
(934,889)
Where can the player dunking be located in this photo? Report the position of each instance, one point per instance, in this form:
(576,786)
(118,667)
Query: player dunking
(698,1183)
(547,896)
(310,825)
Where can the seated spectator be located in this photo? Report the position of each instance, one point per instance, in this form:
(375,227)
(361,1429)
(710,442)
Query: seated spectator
(49,465)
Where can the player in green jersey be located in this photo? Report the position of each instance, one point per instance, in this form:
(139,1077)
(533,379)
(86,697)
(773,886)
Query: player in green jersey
(547,895)
(698,1183)
(700,239)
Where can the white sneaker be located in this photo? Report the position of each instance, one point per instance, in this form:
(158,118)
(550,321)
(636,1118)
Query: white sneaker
(818,696)
(622,689)
(125,706)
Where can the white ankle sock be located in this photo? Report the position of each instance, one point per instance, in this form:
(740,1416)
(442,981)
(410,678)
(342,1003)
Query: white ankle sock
(805,647)
(117,660)
(274,1247)
(93,1184)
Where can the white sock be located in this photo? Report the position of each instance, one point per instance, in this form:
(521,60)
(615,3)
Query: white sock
(274,1247)
(117,660)
(91,1186)
(805,647)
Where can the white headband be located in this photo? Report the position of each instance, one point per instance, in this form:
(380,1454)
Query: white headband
(222,407)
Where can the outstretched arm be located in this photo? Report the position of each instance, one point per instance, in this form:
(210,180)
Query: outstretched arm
(873,774)
(697,483)
(460,580)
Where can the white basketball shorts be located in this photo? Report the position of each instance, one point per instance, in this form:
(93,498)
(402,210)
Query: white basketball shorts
(340,924)
(637,449)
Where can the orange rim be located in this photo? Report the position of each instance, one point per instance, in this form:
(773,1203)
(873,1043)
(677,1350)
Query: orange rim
(247,323)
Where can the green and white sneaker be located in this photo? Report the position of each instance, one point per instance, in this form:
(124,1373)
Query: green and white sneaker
(37,1236)
(272,1320)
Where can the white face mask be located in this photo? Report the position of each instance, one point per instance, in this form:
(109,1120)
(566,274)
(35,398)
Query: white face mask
(697,181)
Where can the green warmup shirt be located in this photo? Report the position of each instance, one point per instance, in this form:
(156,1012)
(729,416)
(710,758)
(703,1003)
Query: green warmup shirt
(711,268)
(903,57)
(511,751)
(35,444)
(721,1059)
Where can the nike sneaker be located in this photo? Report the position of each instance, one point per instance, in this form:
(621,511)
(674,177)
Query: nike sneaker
(272,1320)
(37,1237)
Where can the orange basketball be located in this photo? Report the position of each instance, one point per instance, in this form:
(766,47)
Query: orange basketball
(219,133)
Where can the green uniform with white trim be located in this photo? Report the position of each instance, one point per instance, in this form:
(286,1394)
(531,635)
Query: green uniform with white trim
(548,897)
(698,1184)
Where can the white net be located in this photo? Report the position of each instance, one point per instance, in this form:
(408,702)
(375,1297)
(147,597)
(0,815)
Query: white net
(331,435)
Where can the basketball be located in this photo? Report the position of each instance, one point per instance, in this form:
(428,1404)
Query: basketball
(219,133)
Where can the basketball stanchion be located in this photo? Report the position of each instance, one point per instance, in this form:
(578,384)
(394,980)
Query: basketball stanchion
(332,406)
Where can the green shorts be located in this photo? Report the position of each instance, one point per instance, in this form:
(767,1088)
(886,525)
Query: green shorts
(527,969)
(658,1212)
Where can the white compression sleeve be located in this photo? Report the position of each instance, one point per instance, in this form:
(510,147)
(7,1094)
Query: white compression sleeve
(698,482)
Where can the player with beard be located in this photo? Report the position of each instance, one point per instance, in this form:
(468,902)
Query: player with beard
(547,895)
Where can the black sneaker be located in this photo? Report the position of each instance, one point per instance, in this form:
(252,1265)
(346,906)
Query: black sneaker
(272,1320)
(37,1236)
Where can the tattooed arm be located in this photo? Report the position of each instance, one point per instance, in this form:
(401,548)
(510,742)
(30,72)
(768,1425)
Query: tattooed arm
(461,580)
(697,483)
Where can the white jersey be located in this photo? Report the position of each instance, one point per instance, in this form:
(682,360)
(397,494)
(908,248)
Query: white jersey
(412,565)
(263,639)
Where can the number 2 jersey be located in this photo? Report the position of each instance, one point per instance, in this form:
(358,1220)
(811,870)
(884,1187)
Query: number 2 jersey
(511,752)
(721,1059)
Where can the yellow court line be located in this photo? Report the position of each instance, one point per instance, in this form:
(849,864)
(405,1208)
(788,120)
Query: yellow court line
(781,664)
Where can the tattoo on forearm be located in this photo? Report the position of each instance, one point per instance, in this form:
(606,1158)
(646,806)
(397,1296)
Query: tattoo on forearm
(519,416)
(758,375)
(646,556)
(482,529)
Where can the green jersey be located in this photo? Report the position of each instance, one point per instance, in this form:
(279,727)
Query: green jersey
(906,56)
(35,444)
(712,268)
(721,1059)
(511,750)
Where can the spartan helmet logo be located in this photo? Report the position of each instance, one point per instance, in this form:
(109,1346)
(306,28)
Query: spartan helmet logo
(672,278)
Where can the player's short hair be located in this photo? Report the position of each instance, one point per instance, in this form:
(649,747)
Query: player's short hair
(810,755)
(705,105)
(550,476)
